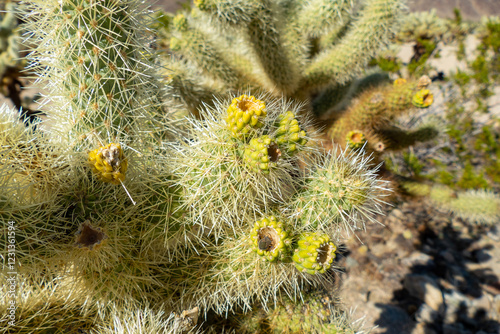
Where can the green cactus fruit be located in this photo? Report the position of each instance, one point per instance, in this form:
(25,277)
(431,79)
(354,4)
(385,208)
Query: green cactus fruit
(261,154)
(423,98)
(270,240)
(289,135)
(355,140)
(315,253)
(245,114)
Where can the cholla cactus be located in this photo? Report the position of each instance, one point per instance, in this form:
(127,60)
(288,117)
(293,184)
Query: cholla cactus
(474,206)
(317,313)
(428,25)
(177,233)
(235,44)
(370,121)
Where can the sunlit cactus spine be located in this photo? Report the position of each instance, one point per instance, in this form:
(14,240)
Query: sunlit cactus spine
(274,45)
(51,306)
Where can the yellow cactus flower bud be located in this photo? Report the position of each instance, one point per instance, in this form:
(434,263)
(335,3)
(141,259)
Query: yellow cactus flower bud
(109,163)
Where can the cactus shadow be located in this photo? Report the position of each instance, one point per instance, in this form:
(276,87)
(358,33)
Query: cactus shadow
(464,294)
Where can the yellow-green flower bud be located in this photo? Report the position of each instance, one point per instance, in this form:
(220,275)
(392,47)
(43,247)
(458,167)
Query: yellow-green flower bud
(244,115)
(399,82)
(261,154)
(315,253)
(289,133)
(180,22)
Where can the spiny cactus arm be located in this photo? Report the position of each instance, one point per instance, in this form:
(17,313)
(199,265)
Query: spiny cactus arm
(334,36)
(474,206)
(235,12)
(183,88)
(234,275)
(31,168)
(97,69)
(318,17)
(197,47)
(374,109)
(316,313)
(31,304)
(261,26)
(335,99)
(54,306)
(368,34)
(342,193)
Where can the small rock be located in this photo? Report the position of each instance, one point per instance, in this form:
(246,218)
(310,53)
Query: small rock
(406,52)
(482,303)
(417,258)
(423,329)
(407,234)
(455,298)
(397,213)
(351,263)
(425,314)
(393,318)
(426,289)
(496,304)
